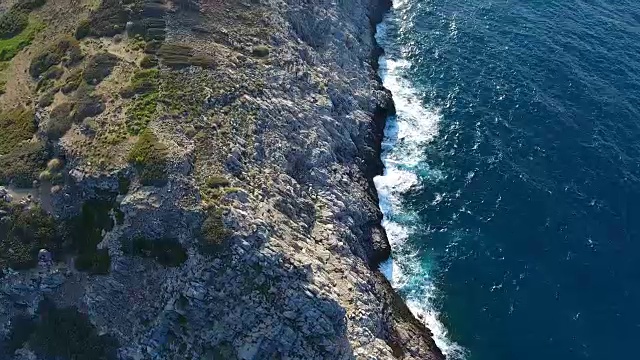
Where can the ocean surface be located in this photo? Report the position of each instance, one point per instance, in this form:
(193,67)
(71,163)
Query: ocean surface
(511,191)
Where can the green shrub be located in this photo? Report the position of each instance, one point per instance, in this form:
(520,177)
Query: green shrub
(60,121)
(203,61)
(175,56)
(55,164)
(180,56)
(54,72)
(145,81)
(72,82)
(10,47)
(141,112)
(213,234)
(12,23)
(69,334)
(47,98)
(165,251)
(23,232)
(152,47)
(99,67)
(87,105)
(17,125)
(260,51)
(149,156)
(216,182)
(22,165)
(28,5)
(83,30)
(109,19)
(148,61)
(66,51)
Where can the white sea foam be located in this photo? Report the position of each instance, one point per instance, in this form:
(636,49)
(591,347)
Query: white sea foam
(406,134)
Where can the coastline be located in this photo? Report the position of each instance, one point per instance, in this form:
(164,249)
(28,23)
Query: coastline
(380,117)
(281,165)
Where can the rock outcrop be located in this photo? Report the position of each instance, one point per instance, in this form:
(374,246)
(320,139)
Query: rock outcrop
(290,121)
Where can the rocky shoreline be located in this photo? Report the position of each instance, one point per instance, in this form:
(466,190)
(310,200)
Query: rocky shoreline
(263,238)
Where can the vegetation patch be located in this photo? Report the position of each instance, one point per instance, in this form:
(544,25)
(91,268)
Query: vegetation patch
(215,182)
(142,82)
(213,234)
(87,104)
(60,120)
(149,156)
(12,46)
(99,67)
(66,51)
(165,251)
(17,125)
(22,165)
(60,334)
(260,51)
(12,23)
(47,98)
(72,82)
(24,231)
(109,19)
(141,112)
(148,61)
(16,19)
(178,56)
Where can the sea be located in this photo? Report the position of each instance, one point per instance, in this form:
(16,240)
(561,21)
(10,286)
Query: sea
(511,189)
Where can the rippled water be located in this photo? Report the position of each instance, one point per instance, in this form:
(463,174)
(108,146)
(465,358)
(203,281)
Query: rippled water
(512,192)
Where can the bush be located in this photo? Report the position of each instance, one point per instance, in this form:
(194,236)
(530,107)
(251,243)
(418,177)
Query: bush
(109,19)
(213,234)
(23,232)
(10,47)
(69,334)
(99,67)
(47,98)
(55,164)
(83,30)
(87,105)
(22,165)
(149,156)
(66,51)
(17,125)
(60,121)
(175,56)
(12,23)
(165,251)
(72,83)
(28,5)
(141,112)
(216,182)
(148,61)
(145,81)
(260,51)
(180,56)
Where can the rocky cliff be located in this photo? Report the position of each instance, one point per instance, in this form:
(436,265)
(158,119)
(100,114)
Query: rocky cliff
(202,176)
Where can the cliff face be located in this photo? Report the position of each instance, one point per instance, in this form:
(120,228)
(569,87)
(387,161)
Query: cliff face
(269,136)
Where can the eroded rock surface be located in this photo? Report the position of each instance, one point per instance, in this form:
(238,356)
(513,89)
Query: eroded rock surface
(280,144)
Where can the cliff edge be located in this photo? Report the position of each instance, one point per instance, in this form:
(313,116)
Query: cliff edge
(200,182)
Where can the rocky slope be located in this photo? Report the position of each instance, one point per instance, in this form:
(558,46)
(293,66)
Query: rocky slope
(210,189)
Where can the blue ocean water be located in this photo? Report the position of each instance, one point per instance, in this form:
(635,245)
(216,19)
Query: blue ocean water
(511,191)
